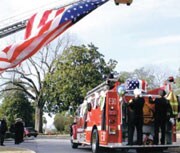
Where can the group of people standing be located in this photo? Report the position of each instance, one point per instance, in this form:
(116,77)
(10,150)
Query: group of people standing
(16,128)
(162,114)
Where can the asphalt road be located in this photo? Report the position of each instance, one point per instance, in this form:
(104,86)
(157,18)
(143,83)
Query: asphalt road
(48,145)
(57,145)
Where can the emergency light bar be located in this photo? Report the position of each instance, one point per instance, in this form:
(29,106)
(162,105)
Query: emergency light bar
(103,86)
(128,2)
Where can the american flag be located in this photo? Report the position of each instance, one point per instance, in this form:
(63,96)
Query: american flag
(132,84)
(44,27)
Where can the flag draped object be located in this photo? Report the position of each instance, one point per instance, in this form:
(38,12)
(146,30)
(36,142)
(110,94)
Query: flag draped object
(44,27)
(132,84)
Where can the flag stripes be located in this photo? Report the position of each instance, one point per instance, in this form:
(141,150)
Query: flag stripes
(44,27)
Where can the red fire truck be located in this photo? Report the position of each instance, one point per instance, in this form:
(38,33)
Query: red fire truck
(101,120)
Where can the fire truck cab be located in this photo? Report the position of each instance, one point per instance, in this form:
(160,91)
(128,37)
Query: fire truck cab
(101,120)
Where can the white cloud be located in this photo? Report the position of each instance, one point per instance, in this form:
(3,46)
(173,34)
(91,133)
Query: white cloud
(168,62)
(120,17)
(166,40)
(165,8)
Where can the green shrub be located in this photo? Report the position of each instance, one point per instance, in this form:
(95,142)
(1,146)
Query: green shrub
(62,122)
(178,126)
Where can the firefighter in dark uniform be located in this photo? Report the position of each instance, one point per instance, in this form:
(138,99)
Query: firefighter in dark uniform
(160,117)
(135,117)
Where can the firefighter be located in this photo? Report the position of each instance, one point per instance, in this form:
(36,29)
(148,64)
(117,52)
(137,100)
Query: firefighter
(170,121)
(161,116)
(135,117)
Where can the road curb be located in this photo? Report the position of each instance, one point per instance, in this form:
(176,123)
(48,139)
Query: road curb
(14,149)
(55,136)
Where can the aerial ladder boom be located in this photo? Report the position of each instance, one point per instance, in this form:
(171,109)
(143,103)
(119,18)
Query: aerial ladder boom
(13,28)
(20,25)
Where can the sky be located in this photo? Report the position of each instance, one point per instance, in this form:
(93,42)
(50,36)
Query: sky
(146,33)
(143,34)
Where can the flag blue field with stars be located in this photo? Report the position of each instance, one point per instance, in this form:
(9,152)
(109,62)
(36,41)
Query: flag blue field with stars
(80,9)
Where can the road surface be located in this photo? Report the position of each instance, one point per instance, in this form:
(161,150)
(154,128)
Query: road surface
(57,145)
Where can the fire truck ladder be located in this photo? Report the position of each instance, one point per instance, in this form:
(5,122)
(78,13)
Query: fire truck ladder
(103,86)
(13,28)
(20,25)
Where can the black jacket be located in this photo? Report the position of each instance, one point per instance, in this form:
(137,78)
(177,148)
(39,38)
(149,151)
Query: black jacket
(3,127)
(137,105)
(163,110)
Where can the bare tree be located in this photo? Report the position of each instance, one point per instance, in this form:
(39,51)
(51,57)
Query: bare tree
(160,74)
(29,77)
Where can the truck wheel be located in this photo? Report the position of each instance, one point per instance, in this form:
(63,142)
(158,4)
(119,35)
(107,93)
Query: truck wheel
(95,142)
(74,145)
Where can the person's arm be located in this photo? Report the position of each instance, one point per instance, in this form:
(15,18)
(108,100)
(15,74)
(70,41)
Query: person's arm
(169,109)
(170,116)
(131,103)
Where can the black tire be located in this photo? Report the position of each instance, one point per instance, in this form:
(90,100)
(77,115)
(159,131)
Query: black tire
(74,145)
(95,141)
